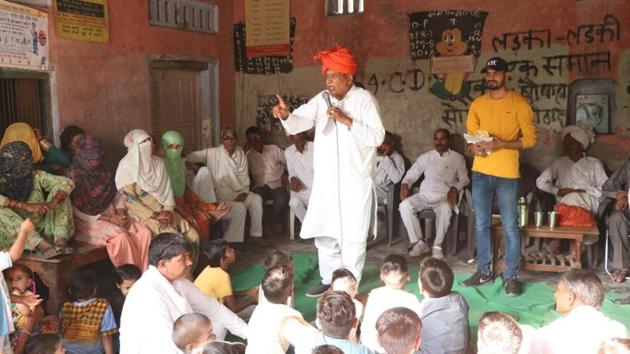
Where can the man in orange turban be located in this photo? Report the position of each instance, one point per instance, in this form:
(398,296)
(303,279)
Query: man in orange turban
(348,129)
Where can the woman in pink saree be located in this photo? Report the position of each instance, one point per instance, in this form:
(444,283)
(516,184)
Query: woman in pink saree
(99,214)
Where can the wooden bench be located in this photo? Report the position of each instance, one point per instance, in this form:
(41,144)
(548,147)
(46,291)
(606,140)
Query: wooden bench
(54,272)
(558,263)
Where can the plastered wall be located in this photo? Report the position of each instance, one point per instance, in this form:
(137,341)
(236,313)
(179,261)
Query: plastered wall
(543,69)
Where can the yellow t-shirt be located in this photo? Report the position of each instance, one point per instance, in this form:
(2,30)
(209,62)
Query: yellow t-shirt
(214,282)
(510,118)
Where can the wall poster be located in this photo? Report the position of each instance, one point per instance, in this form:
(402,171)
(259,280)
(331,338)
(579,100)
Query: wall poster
(23,37)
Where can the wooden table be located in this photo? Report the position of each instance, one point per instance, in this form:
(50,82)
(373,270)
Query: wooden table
(54,272)
(576,236)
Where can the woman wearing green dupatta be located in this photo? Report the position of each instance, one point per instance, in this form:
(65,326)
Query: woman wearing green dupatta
(199,213)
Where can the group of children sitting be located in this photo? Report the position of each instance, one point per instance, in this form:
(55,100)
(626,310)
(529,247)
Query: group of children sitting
(85,323)
(390,320)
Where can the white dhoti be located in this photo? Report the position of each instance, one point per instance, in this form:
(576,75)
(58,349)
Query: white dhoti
(234,222)
(409,209)
(582,200)
(299,203)
(254,206)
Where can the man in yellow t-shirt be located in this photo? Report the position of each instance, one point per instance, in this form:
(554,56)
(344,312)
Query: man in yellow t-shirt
(508,118)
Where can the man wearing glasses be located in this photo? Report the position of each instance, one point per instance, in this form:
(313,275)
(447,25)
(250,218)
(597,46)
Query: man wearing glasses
(228,167)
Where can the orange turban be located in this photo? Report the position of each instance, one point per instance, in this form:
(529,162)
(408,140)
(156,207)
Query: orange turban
(337,59)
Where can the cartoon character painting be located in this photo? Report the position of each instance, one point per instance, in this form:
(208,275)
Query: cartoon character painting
(451,83)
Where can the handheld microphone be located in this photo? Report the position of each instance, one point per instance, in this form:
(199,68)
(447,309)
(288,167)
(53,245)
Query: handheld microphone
(326,96)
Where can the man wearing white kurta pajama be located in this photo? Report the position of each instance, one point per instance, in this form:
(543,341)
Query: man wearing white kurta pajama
(229,169)
(346,137)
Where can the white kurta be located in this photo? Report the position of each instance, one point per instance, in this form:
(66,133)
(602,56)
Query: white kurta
(154,303)
(587,174)
(230,174)
(342,199)
(441,173)
(265,325)
(300,166)
(581,331)
(343,161)
(380,300)
(389,171)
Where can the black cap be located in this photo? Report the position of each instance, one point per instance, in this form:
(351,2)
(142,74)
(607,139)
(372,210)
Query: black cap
(496,64)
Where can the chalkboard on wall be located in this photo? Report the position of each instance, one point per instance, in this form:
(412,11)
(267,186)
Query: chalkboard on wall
(426,30)
(271,127)
(261,65)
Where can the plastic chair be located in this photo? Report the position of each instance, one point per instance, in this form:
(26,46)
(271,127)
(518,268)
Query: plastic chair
(606,246)
(452,234)
(291,225)
(389,210)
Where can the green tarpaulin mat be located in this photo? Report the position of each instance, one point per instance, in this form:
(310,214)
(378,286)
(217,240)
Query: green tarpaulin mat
(535,307)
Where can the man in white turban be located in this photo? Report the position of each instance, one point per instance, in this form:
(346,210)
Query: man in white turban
(574,179)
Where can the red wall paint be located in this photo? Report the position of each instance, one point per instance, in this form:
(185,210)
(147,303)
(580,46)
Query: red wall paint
(105,88)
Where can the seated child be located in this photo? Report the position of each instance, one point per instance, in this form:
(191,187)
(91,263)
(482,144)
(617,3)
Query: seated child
(444,313)
(126,276)
(327,349)
(192,331)
(44,344)
(277,259)
(215,281)
(264,325)
(399,331)
(336,319)
(19,280)
(395,275)
(498,333)
(87,322)
(344,280)
(6,298)
(219,347)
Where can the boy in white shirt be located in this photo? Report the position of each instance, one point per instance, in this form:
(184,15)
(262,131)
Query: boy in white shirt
(265,336)
(344,280)
(395,274)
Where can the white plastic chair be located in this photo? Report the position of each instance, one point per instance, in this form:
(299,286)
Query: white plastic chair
(606,256)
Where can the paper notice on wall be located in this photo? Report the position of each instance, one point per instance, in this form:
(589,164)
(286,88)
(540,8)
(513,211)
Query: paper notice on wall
(82,20)
(455,64)
(267,26)
(23,37)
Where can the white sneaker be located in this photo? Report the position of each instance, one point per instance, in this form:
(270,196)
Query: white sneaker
(436,252)
(419,249)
